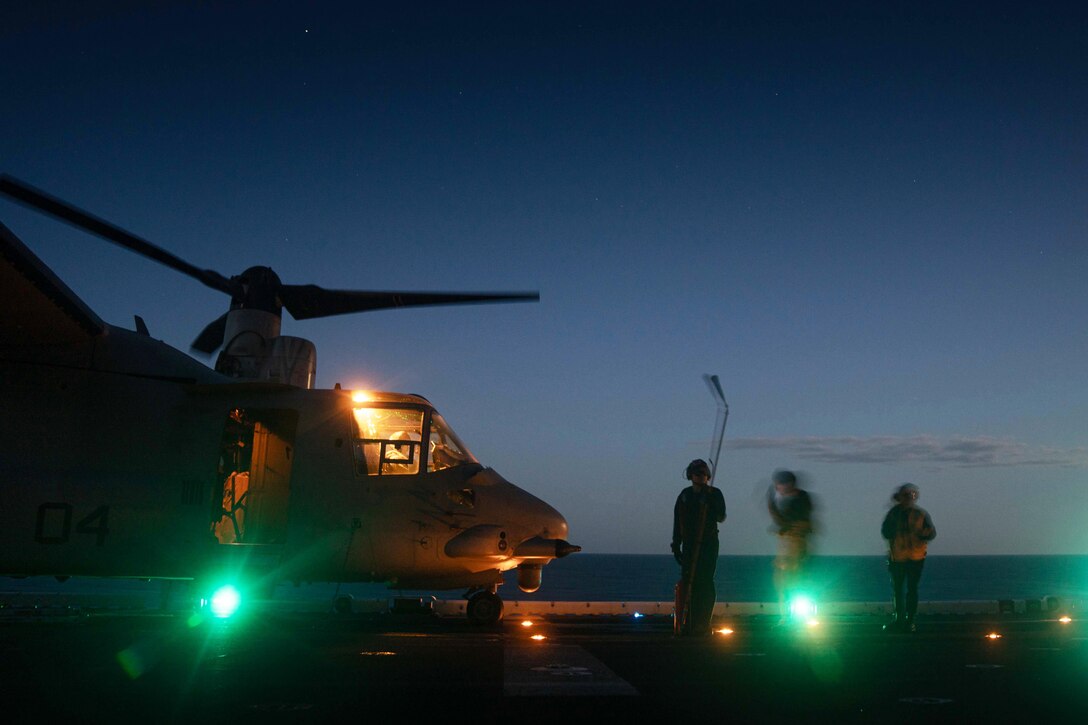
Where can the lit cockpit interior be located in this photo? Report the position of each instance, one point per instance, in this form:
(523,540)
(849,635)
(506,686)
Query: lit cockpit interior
(389,437)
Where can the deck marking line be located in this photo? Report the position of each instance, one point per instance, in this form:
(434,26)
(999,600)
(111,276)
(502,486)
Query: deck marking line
(558,670)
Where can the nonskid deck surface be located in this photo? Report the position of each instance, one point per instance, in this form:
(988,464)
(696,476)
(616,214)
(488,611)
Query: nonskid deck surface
(305,667)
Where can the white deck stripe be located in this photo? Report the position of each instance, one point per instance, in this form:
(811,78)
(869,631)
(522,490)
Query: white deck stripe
(557,670)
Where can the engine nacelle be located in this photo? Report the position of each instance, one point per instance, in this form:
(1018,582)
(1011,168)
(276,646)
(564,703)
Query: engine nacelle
(293,361)
(254,350)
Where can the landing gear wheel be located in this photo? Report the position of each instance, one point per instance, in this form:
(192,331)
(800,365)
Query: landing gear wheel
(484,608)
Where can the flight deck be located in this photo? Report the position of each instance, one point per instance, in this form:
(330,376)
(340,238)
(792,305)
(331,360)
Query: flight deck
(278,665)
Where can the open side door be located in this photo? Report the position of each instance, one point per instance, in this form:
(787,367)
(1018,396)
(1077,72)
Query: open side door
(255,470)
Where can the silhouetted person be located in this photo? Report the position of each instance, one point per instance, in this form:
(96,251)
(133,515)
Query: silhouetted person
(698,510)
(908,529)
(790,508)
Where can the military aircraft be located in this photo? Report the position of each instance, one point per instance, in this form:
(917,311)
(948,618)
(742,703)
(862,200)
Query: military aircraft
(124,457)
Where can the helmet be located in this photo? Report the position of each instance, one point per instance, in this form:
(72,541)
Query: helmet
(904,491)
(784,477)
(695,466)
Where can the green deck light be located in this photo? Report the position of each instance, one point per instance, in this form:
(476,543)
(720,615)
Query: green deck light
(225,601)
(803,607)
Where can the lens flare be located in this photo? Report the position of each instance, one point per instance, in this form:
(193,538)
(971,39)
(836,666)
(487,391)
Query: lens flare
(225,601)
(803,607)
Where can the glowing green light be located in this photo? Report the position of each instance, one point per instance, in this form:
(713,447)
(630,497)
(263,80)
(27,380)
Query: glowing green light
(225,601)
(803,607)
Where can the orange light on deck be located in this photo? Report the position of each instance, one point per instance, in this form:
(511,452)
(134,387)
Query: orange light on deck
(1065,619)
(993,635)
(526,623)
(725,631)
(360,396)
(538,637)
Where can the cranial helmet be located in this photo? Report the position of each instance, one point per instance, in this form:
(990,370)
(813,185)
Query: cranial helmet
(904,491)
(695,466)
(784,477)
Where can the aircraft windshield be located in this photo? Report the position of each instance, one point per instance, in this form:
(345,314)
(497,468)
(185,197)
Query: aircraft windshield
(388,441)
(446,449)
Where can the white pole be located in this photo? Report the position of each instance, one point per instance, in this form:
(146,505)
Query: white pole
(715,387)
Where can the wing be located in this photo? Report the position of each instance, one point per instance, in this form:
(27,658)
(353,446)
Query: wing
(41,319)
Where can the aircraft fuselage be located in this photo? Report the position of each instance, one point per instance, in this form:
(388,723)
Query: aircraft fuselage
(110,471)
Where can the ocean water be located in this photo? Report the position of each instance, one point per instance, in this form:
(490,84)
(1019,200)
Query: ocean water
(634,578)
(610,577)
(651,577)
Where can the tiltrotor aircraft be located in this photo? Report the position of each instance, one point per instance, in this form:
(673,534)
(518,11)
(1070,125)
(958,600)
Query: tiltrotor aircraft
(123,457)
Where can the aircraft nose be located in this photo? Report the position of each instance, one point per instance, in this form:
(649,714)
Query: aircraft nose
(526,517)
(553,524)
(551,539)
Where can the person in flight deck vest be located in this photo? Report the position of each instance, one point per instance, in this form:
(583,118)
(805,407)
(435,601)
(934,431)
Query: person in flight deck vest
(908,530)
(695,549)
(790,508)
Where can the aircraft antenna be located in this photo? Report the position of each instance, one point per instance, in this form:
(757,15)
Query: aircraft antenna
(722,416)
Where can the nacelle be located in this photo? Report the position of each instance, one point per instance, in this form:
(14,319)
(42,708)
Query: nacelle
(254,350)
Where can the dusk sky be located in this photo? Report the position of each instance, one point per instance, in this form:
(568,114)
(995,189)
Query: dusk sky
(869,219)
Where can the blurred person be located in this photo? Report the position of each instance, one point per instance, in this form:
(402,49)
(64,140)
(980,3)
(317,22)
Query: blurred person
(908,529)
(699,509)
(790,508)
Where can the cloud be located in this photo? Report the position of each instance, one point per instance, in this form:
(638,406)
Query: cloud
(955,450)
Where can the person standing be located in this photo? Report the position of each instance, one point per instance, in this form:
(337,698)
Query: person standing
(699,509)
(908,529)
(790,508)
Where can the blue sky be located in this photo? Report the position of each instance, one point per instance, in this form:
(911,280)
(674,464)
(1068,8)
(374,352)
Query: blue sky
(868,221)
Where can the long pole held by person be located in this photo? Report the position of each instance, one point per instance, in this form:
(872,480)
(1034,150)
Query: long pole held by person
(715,387)
(685,589)
(683,623)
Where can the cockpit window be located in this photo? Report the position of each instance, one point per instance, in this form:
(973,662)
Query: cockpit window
(388,441)
(446,450)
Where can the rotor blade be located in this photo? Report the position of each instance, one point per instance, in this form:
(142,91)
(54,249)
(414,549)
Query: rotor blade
(39,200)
(307,301)
(211,337)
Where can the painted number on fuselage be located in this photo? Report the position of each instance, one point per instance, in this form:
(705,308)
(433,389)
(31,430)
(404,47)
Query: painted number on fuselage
(54,525)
